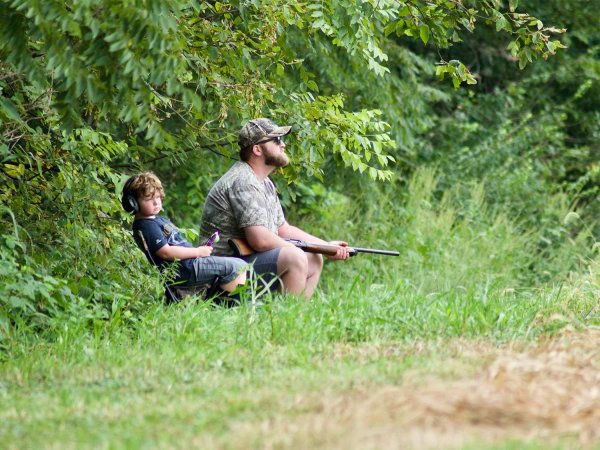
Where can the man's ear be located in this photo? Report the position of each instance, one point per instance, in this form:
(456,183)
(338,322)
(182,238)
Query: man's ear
(257,150)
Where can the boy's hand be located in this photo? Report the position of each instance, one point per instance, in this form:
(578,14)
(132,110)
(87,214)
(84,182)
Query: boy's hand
(204,250)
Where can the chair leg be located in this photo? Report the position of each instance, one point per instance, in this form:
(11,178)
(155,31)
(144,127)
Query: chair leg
(214,289)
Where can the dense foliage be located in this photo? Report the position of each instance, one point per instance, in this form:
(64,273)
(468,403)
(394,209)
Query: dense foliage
(90,93)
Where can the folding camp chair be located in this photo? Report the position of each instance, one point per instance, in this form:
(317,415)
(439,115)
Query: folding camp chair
(174,293)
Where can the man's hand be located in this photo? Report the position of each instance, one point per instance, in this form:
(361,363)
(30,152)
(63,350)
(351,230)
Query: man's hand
(342,252)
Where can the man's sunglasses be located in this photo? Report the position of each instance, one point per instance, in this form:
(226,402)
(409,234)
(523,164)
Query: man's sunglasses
(277,139)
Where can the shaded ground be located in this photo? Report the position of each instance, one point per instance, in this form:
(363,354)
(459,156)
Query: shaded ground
(546,393)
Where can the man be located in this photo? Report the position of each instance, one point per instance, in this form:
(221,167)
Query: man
(243,204)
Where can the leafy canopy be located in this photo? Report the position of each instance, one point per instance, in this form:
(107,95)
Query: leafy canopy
(89,90)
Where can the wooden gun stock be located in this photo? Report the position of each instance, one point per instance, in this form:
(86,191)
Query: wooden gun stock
(241,248)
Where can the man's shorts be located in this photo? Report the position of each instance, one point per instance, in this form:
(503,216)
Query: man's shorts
(227,268)
(264,266)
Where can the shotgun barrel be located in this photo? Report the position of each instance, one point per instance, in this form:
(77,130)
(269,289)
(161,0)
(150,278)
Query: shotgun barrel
(328,249)
(374,250)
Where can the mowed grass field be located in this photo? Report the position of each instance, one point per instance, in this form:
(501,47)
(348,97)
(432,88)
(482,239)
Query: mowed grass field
(374,369)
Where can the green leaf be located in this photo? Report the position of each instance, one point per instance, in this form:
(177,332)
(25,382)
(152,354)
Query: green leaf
(8,108)
(424,33)
(513,47)
(502,24)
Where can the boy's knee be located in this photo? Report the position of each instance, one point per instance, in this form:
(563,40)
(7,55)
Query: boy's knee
(241,278)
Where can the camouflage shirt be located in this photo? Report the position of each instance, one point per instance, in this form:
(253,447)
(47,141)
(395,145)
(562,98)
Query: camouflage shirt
(239,200)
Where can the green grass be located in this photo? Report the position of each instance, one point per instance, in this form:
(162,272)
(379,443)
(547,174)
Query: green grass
(193,375)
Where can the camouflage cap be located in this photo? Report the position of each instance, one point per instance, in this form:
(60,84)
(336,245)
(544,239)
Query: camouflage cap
(257,130)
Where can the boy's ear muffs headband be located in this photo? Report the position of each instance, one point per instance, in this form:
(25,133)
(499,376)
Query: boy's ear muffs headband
(128,200)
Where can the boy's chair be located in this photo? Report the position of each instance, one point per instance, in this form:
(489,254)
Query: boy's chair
(212,292)
(174,293)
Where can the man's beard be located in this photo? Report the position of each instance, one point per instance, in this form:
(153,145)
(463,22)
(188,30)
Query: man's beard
(274,159)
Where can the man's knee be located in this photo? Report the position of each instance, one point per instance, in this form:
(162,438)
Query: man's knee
(292,259)
(315,262)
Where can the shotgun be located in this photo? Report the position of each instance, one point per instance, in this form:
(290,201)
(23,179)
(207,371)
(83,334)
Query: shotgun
(241,248)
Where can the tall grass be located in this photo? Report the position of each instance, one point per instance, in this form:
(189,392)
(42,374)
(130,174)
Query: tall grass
(465,269)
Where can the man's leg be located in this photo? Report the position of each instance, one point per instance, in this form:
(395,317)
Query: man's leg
(299,272)
(292,267)
(315,267)
(264,267)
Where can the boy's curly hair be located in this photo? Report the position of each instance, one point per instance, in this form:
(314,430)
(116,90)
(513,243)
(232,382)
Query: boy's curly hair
(145,184)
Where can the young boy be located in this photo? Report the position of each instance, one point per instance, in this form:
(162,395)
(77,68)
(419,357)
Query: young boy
(163,245)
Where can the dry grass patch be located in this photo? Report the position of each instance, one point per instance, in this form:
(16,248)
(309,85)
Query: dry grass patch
(548,393)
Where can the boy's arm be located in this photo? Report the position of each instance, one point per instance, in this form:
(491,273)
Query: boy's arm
(172,252)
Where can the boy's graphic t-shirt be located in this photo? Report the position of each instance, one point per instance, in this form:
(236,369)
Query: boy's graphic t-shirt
(157,233)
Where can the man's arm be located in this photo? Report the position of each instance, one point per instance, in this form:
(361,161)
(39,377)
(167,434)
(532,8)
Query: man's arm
(261,239)
(287,231)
